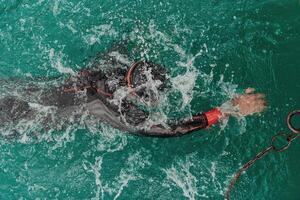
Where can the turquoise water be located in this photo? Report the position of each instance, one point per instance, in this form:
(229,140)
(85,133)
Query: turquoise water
(212,48)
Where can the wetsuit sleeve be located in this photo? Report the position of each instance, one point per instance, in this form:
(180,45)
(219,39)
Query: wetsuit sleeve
(197,122)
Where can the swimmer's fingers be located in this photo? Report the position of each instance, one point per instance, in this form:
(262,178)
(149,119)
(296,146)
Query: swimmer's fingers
(261,102)
(253,97)
(249,90)
(259,109)
(260,106)
(258,96)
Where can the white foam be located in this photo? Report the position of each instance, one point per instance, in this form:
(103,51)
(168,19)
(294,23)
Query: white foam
(113,188)
(96,33)
(70,25)
(56,7)
(185,84)
(96,170)
(183,179)
(55,60)
(120,57)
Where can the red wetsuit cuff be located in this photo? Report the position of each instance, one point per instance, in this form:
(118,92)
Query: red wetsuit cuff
(213,116)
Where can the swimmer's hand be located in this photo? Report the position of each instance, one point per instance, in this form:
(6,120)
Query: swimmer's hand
(249,103)
(245,104)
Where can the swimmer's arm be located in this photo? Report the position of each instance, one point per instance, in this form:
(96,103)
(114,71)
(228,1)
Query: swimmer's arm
(242,105)
(197,122)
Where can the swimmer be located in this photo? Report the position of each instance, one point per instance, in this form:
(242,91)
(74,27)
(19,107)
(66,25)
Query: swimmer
(115,91)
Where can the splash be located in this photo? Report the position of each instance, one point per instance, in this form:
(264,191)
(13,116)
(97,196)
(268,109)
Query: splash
(184,179)
(113,188)
(55,60)
(97,33)
(197,177)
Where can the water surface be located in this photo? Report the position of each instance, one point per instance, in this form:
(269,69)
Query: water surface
(213,50)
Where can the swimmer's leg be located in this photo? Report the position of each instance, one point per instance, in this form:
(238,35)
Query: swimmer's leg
(59,98)
(43,91)
(12,109)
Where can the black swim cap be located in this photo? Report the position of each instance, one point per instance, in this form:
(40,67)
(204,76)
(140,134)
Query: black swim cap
(141,70)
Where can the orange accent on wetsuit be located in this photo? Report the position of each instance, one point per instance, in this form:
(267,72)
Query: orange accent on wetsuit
(213,116)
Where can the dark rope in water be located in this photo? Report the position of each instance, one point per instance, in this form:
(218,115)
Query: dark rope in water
(289,138)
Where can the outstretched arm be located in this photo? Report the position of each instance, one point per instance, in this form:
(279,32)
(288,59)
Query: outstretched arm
(197,122)
(242,105)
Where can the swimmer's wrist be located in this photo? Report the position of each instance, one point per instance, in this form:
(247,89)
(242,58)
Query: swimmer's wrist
(213,116)
(230,108)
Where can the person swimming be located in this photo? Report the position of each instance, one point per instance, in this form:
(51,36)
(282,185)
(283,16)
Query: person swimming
(117,91)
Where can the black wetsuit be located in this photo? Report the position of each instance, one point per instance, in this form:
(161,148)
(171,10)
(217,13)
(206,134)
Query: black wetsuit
(100,86)
(92,91)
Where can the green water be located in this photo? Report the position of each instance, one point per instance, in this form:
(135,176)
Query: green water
(239,44)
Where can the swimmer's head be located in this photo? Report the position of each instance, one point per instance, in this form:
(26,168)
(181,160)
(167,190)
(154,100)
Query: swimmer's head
(145,72)
(148,79)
